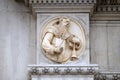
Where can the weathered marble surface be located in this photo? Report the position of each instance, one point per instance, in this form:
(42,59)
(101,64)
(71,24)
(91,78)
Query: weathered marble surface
(83,19)
(17,50)
(105,42)
(17,42)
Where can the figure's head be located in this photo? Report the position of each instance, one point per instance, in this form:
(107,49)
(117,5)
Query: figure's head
(64,21)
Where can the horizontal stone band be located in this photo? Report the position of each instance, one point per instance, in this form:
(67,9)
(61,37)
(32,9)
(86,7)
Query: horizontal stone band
(42,70)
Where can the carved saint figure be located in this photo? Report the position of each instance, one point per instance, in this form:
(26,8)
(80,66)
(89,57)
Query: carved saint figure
(58,43)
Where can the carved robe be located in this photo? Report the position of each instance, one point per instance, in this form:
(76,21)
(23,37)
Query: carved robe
(57,37)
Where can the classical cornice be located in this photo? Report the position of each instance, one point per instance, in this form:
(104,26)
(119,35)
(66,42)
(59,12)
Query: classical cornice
(61,6)
(108,8)
(73,5)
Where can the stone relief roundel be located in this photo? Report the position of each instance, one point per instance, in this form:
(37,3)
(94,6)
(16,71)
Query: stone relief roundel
(62,39)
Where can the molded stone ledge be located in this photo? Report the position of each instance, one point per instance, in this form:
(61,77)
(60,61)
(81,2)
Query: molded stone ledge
(107,76)
(111,16)
(62,70)
(37,70)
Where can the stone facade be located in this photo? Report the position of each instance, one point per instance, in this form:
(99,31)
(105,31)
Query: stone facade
(18,40)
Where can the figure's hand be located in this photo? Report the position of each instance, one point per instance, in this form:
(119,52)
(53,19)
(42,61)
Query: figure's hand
(58,50)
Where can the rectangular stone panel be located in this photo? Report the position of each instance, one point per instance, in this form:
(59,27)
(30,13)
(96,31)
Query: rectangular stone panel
(114,47)
(82,18)
(98,45)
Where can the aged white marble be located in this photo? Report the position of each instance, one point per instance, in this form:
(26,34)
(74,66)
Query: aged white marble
(17,42)
(83,19)
(105,44)
(62,40)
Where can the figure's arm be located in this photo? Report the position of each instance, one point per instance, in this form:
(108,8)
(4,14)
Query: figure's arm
(47,44)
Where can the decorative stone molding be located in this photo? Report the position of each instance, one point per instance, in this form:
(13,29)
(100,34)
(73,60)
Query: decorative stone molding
(73,70)
(108,8)
(73,5)
(102,16)
(107,76)
(61,6)
(62,70)
(45,2)
(108,2)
